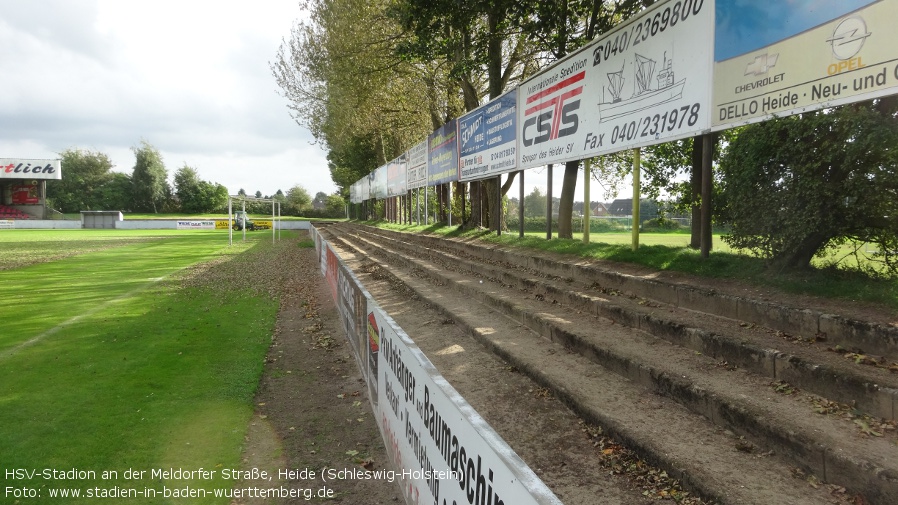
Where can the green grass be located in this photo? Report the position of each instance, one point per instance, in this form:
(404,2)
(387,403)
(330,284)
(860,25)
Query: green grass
(670,251)
(128,368)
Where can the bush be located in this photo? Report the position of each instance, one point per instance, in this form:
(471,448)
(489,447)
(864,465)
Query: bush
(538,224)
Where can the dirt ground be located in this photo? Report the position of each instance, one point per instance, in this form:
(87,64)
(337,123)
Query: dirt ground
(311,413)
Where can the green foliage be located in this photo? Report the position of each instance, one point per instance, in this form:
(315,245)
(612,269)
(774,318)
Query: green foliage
(149,184)
(298,200)
(535,204)
(87,181)
(798,186)
(115,193)
(335,205)
(196,196)
(538,224)
(660,224)
(344,82)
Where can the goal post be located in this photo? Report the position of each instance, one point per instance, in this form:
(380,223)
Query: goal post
(275,216)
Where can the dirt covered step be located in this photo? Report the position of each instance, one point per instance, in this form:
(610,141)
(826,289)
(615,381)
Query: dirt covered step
(831,448)
(767,352)
(843,327)
(711,461)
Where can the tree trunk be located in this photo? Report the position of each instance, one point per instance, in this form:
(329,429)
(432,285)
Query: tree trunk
(474,219)
(566,203)
(800,257)
(488,197)
(443,198)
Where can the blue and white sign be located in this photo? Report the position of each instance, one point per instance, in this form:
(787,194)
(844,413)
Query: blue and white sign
(442,155)
(487,142)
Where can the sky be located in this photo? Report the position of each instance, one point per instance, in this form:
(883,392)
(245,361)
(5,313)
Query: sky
(191,77)
(748,25)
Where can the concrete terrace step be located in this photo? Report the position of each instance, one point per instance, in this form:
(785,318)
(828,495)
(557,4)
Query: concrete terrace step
(688,446)
(736,400)
(807,366)
(873,337)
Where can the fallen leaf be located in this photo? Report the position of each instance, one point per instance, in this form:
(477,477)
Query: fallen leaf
(865,428)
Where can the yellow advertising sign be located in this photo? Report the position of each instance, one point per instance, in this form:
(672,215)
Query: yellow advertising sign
(782,58)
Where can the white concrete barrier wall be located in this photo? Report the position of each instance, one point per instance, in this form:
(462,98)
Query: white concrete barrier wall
(440,448)
(42,224)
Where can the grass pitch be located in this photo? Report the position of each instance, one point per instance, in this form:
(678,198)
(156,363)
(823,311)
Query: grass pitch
(129,351)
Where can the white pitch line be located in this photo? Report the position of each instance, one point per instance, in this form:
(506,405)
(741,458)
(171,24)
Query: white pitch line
(69,322)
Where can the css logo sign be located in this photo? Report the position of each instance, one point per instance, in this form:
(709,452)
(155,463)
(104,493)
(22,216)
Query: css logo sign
(554,113)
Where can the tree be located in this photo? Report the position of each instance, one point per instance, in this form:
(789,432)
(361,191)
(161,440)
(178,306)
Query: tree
(535,204)
(197,196)
(115,193)
(298,200)
(335,205)
(187,190)
(81,188)
(344,81)
(793,187)
(149,184)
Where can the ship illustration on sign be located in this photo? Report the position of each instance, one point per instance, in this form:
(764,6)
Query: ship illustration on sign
(644,96)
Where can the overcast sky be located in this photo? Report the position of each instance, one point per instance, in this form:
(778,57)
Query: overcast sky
(191,77)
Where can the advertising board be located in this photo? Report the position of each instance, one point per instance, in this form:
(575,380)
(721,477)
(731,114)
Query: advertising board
(417,165)
(397,174)
(646,82)
(487,141)
(442,155)
(784,58)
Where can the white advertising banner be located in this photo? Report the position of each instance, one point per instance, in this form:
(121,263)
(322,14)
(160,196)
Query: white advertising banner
(397,176)
(417,165)
(441,448)
(783,58)
(646,82)
(196,225)
(487,145)
(15,168)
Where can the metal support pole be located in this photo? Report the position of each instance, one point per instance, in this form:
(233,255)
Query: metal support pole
(498,205)
(549,204)
(587,175)
(449,203)
(636,195)
(521,205)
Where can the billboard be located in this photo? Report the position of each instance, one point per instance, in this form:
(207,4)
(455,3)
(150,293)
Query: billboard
(646,82)
(17,168)
(487,142)
(449,453)
(442,155)
(417,166)
(378,182)
(397,173)
(783,58)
